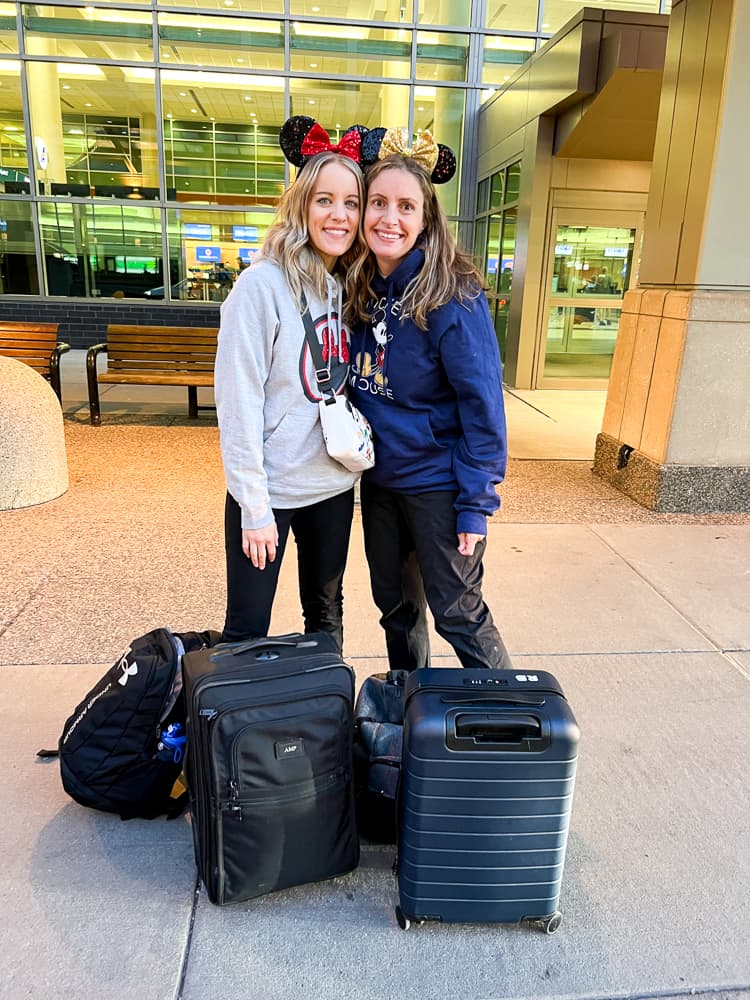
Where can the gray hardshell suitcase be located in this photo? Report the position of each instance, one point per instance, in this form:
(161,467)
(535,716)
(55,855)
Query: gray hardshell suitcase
(488,769)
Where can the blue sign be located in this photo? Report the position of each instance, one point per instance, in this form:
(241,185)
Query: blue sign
(246,254)
(197,230)
(247,233)
(208,255)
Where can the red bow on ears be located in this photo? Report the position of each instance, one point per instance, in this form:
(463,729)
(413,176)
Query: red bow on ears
(318,140)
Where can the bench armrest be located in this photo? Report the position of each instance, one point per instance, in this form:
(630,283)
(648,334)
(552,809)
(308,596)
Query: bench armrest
(91,355)
(54,368)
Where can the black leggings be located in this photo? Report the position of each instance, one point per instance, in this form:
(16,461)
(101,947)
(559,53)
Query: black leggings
(412,550)
(321,532)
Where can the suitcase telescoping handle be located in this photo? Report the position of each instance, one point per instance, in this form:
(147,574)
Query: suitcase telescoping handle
(496,730)
(292,639)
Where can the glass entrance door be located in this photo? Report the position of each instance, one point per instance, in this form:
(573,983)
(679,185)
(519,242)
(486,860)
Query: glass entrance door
(591,267)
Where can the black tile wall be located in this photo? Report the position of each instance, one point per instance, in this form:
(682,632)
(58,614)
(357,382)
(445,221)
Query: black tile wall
(84,322)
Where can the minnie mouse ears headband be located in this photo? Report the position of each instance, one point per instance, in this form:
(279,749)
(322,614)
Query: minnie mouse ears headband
(436,159)
(301,137)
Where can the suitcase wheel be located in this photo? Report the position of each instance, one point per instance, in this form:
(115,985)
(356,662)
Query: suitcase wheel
(547,924)
(403,921)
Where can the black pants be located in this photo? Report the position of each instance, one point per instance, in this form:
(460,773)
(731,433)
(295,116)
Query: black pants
(321,532)
(411,545)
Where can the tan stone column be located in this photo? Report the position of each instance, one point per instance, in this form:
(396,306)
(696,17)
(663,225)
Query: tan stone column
(676,429)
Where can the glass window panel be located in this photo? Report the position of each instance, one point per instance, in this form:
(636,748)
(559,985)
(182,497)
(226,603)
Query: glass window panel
(14,161)
(109,249)
(221,136)
(8,35)
(18,269)
(396,11)
(262,7)
(480,243)
(353,50)
(518,15)
(97,128)
(244,43)
(483,195)
(512,182)
(441,111)
(441,56)
(501,57)
(493,250)
(559,12)
(448,12)
(88,33)
(580,342)
(592,261)
(236,236)
(496,189)
(338,106)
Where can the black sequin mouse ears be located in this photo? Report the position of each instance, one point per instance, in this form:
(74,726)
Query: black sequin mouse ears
(438,160)
(301,137)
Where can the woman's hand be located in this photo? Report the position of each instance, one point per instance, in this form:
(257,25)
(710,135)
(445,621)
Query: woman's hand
(467,542)
(260,544)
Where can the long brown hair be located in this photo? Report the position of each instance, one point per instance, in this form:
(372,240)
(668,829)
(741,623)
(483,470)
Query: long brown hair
(448,271)
(287,241)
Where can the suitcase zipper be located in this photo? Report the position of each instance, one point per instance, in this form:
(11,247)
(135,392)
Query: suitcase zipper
(291,793)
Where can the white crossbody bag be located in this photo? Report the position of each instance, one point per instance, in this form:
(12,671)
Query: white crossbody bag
(347,432)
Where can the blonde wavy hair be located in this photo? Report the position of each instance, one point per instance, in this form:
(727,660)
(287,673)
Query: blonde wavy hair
(287,241)
(448,272)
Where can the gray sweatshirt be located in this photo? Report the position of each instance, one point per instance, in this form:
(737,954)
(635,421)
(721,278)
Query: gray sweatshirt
(267,397)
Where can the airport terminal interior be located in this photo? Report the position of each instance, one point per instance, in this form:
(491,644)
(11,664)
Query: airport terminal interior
(139,154)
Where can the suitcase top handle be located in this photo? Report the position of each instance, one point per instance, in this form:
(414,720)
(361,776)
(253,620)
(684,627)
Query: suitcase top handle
(496,730)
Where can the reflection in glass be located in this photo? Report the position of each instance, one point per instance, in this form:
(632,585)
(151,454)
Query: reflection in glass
(18,267)
(14,161)
(502,56)
(101,250)
(512,182)
(441,56)
(88,33)
(8,35)
(246,43)
(504,16)
(444,12)
(351,50)
(496,190)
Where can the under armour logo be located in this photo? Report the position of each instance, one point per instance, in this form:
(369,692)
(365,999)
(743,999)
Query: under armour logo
(128,670)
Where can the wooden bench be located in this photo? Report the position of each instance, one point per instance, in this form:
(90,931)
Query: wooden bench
(154,355)
(36,345)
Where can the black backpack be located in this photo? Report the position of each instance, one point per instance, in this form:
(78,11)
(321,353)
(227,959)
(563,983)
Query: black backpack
(111,754)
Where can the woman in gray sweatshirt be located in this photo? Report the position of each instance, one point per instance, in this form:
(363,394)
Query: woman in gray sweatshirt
(278,472)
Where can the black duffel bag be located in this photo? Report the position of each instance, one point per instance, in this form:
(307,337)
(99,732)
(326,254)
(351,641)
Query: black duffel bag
(378,737)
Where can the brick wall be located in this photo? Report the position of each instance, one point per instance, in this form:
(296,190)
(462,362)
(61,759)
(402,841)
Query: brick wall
(83,322)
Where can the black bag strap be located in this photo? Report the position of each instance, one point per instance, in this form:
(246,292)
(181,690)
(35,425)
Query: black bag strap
(322,375)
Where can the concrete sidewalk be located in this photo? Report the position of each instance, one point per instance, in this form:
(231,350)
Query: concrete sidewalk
(645,620)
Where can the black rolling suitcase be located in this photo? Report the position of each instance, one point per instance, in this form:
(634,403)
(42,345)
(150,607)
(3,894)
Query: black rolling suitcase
(269,764)
(488,770)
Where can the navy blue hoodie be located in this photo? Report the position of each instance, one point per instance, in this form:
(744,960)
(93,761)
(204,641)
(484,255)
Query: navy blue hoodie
(434,398)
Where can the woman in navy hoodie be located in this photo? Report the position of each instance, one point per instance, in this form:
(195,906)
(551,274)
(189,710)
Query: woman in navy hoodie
(425,370)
